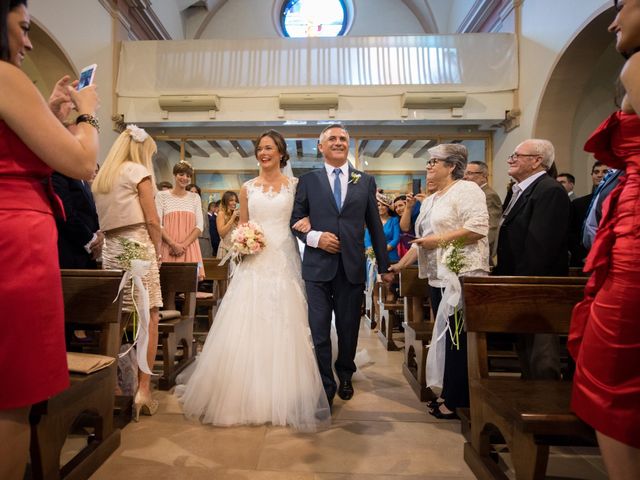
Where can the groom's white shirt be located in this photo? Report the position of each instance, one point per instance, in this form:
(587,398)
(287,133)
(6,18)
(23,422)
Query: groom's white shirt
(313,237)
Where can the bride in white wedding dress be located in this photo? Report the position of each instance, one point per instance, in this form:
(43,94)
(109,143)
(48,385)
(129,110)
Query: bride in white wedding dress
(257,365)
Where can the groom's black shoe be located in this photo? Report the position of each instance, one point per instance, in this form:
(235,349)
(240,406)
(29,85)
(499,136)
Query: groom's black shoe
(345,390)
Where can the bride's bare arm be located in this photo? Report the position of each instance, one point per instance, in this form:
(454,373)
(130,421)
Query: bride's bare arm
(244,205)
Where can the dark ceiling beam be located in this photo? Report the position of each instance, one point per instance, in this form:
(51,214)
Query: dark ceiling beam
(382,148)
(196,149)
(239,148)
(361,146)
(218,148)
(424,149)
(299,149)
(404,148)
(176,147)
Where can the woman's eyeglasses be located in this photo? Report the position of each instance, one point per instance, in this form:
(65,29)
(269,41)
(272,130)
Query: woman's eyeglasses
(433,161)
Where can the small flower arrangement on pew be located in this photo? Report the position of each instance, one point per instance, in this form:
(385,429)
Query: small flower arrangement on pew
(454,260)
(246,239)
(134,260)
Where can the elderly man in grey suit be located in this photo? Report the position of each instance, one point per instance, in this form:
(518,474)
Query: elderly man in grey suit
(478,172)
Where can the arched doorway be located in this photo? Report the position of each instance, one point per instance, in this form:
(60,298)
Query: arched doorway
(579,95)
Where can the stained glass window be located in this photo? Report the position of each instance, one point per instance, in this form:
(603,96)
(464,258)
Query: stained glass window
(314,18)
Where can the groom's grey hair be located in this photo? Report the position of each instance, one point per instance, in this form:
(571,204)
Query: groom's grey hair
(333,125)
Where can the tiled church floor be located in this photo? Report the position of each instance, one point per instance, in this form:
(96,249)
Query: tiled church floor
(382,433)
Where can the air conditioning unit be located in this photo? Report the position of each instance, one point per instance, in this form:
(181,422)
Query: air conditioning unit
(433,100)
(308,101)
(188,103)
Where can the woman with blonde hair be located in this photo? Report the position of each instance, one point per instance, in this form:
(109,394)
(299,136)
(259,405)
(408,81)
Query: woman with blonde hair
(181,218)
(124,192)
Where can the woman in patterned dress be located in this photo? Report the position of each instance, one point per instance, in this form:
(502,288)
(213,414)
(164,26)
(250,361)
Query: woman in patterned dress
(181,217)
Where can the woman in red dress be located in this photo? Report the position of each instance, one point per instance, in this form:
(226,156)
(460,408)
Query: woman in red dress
(605,330)
(33,143)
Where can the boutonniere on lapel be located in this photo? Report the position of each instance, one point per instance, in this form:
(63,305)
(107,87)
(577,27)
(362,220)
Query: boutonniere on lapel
(354,178)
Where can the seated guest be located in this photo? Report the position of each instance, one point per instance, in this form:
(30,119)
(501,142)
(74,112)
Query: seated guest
(478,172)
(123,191)
(457,211)
(568,181)
(390,226)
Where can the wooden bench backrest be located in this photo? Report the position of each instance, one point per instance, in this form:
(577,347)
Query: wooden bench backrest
(411,285)
(219,273)
(89,296)
(89,304)
(179,277)
(515,305)
(213,271)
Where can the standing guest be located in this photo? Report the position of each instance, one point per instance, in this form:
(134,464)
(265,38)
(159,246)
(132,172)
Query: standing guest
(389,225)
(478,172)
(204,239)
(455,211)
(79,235)
(164,186)
(399,207)
(568,181)
(123,191)
(33,143)
(532,240)
(212,214)
(339,202)
(181,218)
(598,171)
(227,221)
(605,335)
(594,213)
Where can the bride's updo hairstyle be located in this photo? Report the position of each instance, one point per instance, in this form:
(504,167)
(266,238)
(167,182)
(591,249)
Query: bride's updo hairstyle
(278,139)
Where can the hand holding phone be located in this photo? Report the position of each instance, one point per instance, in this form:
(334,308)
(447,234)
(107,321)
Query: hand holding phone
(87,75)
(416,186)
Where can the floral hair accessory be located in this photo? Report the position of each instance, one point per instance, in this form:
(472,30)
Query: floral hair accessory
(138,134)
(354,178)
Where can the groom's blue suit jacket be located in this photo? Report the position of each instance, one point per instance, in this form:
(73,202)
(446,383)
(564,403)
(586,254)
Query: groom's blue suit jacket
(314,198)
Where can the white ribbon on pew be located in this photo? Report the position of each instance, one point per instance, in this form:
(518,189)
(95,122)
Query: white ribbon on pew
(451,297)
(139,268)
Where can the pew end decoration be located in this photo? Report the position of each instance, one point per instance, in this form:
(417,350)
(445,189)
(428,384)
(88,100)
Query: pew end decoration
(451,261)
(134,260)
(246,239)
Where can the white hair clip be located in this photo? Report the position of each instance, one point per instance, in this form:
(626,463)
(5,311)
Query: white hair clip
(138,134)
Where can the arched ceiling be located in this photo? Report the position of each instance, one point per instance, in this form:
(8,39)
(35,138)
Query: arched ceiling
(434,16)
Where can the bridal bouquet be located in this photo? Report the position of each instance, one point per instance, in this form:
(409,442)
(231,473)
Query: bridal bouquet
(246,239)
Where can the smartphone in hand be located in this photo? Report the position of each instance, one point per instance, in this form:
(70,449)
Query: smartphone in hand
(416,185)
(87,75)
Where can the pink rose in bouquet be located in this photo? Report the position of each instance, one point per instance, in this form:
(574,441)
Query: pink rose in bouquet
(248,239)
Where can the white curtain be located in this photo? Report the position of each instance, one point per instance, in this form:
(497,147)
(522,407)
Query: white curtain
(483,62)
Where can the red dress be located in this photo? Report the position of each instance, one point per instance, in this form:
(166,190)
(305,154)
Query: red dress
(605,329)
(33,362)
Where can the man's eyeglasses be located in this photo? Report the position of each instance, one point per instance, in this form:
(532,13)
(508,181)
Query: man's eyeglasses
(515,155)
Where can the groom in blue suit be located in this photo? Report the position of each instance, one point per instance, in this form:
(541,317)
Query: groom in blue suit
(339,201)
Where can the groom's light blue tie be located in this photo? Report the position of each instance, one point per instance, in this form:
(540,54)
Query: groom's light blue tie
(337,188)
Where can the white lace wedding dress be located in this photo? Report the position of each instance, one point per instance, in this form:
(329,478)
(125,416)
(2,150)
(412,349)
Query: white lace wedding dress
(258,365)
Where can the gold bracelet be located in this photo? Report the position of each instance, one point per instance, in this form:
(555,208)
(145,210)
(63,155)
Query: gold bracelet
(90,119)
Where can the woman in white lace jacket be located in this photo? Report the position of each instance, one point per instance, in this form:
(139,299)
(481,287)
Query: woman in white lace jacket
(457,210)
